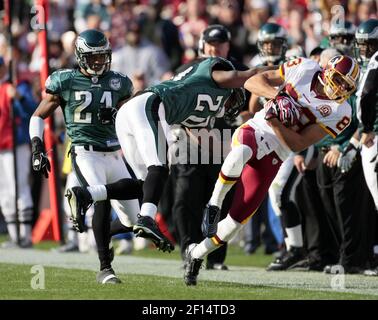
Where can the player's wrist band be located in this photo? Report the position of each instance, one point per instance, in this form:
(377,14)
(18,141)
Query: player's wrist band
(36,127)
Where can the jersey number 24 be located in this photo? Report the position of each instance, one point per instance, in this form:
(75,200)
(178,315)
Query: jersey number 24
(80,114)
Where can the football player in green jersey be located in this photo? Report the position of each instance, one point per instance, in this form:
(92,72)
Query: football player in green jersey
(367,106)
(89,97)
(193,99)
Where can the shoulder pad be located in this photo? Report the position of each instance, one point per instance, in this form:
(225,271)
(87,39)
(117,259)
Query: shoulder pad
(219,63)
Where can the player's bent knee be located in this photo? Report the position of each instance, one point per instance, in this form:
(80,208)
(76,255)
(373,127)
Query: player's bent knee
(236,159)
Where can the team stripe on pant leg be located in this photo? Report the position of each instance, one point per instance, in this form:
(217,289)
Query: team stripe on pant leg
(217,241)
(249,217)
(227,180)
(152,113)
(77,170)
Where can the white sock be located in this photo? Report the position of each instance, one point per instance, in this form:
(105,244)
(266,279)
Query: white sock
(294,236)
(12,231)
(227,229)
(231,170)
(98,192)
(219,193)
(25,231)
(72,236)
(287,243)
(204,248)
(148,209)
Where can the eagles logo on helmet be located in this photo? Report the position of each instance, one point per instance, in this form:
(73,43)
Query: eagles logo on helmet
(366,40)
(93,52)
(272,42)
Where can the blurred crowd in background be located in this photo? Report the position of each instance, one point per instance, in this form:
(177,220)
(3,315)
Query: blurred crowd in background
(150,39)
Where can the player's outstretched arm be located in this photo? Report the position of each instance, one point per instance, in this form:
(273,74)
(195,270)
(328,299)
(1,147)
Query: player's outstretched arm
(264,84)
(235,78)
(295,141)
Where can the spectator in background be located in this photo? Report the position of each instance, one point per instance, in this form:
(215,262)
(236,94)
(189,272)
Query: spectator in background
(256,14)
(93,8)
(123,12)
(60,17)
(162,32)
(195,21)
(22,101)
(283,16)
(140,56)
(68,39)
(295,31)
(229,15)
(367,9)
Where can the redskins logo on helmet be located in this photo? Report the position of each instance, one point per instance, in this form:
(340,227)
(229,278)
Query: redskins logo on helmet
(340,78)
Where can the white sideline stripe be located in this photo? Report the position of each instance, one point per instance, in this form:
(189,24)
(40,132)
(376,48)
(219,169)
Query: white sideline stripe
(110,276)
(311,281)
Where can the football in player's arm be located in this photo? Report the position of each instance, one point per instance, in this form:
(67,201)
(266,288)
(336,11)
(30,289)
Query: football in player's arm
(260,145)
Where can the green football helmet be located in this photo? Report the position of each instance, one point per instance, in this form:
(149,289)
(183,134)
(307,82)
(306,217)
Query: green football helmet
(366,40)
(272,42)
(93,52)
(341,37)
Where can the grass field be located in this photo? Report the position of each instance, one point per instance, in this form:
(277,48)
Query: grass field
(149,274)
(78,284)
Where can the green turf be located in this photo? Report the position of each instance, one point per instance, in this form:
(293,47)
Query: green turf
(15,283)
(235,254)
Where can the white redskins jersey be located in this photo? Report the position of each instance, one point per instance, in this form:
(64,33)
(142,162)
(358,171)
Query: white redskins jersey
(300,76)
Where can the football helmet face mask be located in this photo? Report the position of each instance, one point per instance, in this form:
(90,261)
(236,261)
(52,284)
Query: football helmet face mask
(340,78)
(93,52)
(234,104)
(272,42)
(341,37)
(366,40)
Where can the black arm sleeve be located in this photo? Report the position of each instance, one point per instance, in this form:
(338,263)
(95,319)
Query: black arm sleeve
(369,100)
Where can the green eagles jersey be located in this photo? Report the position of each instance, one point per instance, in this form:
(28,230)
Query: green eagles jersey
(81,97)
(364,68)
(192,98)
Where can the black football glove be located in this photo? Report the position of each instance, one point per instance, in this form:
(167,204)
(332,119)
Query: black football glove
(40,161)
(107,115)
(234,104)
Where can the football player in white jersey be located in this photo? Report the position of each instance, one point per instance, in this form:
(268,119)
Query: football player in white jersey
(310,103)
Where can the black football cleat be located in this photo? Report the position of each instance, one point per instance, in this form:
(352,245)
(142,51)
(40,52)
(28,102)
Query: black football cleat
(79,200)
(288,261)
(192,266)
(211,216)
(107,276)
(146,227)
